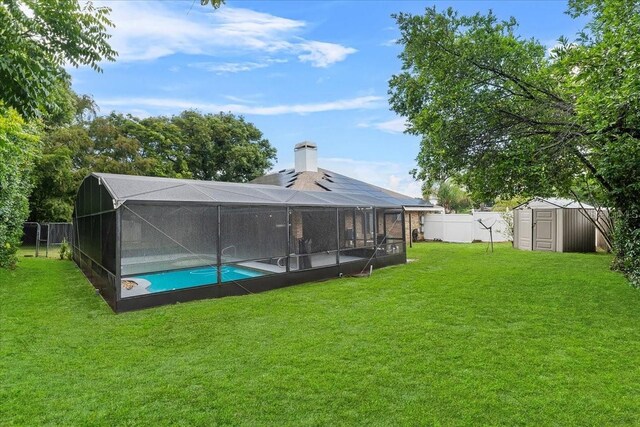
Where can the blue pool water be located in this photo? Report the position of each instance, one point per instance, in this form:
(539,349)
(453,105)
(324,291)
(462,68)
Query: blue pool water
(199,276)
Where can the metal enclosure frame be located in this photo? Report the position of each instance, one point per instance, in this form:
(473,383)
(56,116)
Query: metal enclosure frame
(98,217)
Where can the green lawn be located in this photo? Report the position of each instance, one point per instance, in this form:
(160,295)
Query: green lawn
(459,337)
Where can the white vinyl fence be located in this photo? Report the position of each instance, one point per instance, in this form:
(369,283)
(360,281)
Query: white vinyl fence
(465,228)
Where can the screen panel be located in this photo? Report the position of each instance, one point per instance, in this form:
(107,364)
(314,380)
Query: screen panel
(253,241)
(166,247)
(357,240)
(314,239)
(389,231)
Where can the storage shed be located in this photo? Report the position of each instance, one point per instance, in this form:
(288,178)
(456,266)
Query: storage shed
(552,224)
(145,241)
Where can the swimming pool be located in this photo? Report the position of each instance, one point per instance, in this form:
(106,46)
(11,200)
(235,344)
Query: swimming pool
(191,277)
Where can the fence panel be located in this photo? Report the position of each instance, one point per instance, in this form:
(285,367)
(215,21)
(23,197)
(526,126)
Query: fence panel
(45,238)
(31,238)
(494,220)
(53,234)
(465,228)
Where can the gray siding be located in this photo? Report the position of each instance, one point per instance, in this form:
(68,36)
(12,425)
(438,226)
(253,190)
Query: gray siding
(578,233)
(603,222)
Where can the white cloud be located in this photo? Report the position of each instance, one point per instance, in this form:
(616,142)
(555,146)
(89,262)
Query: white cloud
(150,30)
(322,54)
(391,42)
(251,99)
(389,175)
(394,182)
(176,87)
(174,105)
(397,125)
(230,67)
(235,67)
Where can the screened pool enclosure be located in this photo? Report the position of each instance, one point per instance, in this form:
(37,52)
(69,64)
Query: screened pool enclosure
(146,241)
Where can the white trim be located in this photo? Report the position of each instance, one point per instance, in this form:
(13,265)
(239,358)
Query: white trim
(423,209)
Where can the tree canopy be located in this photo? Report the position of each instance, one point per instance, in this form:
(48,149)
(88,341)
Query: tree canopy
(47,129)
(18,146)
(451,196)
(507,117)
(219,147)
(38,38)
(214,3)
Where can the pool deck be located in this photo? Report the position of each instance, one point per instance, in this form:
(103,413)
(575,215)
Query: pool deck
(317,260)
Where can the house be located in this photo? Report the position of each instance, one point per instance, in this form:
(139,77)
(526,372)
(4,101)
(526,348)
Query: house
(307,176)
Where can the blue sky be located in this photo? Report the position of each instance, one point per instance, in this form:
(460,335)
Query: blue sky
(299,70)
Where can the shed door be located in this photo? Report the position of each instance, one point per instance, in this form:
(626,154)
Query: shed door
(524,229)
(544,230)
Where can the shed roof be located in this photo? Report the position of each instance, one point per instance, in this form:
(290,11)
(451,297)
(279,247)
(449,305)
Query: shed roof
(125,188)
(551,203)
(329,182)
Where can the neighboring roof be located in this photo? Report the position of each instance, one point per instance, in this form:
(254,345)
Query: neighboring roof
(326,181)
(125,188)
(550,203)
(424,209)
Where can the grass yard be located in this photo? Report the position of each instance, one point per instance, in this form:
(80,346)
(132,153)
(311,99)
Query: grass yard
(459,337)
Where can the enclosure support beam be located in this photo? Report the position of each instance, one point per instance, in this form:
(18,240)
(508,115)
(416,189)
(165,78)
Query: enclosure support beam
(375,232)
(288,239)
(219,249)
(118,255)
(355,242)
(338,236)
(404,233)
(410,230)
(384,226)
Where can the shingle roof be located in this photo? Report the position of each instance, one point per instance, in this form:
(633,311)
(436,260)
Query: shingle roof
(125,188)
(328,182)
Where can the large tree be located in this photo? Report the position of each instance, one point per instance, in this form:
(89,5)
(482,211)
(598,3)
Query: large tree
(219,147)
(510,118)
(223,147)
(38,38)
(450,196)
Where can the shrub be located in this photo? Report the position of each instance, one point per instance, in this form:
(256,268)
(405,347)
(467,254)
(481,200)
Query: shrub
(626,244)
(65,250)
(18,146)
(507,216)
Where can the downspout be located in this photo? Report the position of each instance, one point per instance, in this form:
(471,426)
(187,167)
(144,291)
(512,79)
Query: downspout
(410,231)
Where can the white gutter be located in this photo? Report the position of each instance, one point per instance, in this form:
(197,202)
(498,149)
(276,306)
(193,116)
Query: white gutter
(423,209)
